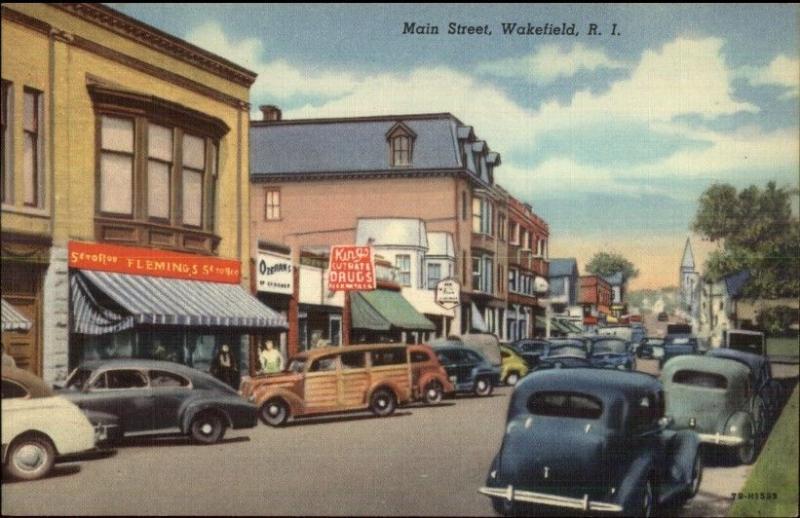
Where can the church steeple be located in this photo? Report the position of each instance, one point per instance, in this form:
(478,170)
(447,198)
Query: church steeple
(687,263)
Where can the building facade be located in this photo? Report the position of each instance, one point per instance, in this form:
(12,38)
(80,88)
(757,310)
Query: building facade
(595,297)
(125,160)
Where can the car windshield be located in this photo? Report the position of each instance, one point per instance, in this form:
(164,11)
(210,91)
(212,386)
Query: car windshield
(566,350)
(77,380)
(297,365)
(609,347)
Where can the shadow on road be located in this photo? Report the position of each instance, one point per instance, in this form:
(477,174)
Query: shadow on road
(171,440)
(59,470)
(310,421)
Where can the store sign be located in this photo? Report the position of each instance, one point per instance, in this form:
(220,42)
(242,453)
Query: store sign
(448,293)
(540,285)
(352,268)
(275,273)
(152,262)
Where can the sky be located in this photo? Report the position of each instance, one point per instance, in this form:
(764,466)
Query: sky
(611,137)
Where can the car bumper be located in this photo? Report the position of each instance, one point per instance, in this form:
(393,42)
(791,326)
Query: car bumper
(718,438)
(563,502)
(105,432)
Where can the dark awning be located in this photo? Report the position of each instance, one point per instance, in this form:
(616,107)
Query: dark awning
(381,310)
(12,319)
(105,302)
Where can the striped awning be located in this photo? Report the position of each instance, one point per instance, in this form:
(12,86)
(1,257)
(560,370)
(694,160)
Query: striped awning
(104,302)
(12,319)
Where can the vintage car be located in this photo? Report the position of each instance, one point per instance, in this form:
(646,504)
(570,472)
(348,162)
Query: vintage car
(563,353)
(651,347)
(531,350)
(677,345)
(608,352)
(714,397)
(761,380)
(429,381)
(334,379)
(158,397)
(591,440)
(468,370)
(38,426)
(513,367)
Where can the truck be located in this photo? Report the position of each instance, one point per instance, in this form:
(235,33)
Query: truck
(752,342)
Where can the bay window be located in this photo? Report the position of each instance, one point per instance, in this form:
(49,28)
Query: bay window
(116,165)
(194,163)
(403,264)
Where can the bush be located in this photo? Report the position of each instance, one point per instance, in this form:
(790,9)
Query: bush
(778,320)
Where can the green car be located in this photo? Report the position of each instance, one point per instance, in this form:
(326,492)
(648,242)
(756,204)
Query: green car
(713,397)
(513,366)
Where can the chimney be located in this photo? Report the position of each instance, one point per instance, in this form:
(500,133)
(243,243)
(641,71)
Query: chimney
(270,112)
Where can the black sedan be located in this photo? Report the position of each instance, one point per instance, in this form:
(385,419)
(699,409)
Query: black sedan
(143,397)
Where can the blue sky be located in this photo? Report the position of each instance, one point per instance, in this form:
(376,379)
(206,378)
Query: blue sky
(610,138)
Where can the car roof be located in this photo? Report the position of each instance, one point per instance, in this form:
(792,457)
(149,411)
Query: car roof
(34,384)
(134,363)
(754,362)
(731,369)
(322,351)
(608,385)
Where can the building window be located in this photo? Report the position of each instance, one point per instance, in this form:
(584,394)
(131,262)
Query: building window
(464,269)
(476,273)
(464,207)
(500,278)
(194,164)
(116,165)
(513,275)
(32,155)
(501,227)
(526,240)
(211,204)
(159,171)
(403,264)
(434,275)
(272,204)
(401,150)
(482,216)
(513,233)
(6,184)
(477,204)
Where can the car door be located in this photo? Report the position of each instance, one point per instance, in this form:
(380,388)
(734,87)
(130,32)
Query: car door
(126,394)
(450,360)
(169,391)
(321,385)
(354,379)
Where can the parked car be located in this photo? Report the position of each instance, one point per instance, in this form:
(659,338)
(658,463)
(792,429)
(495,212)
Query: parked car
(469,371)
(591,440)
(485,343)
(513,367)
(531,350)
(623,332)
(566,353)
(651,347)
(38,426)
(761,381)
(155,397)
(677,345)
(608,352)
(334,379)
(429,380)
(713,397)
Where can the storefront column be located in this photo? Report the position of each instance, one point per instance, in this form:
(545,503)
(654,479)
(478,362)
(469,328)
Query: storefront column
(346,319)
(293,317)
(55,329)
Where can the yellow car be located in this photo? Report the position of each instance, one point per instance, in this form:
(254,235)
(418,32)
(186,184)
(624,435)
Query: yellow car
(513,367)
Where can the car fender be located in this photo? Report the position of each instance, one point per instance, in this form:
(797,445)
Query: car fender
(740,424)
(399,394)
(193,407)
(431,376)
(633,477)
(295,402)
(684,449)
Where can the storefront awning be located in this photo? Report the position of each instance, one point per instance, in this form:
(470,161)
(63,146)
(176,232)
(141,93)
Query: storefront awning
(556,325)
(381,310)
(478,323)
(105,302)
(569,326)
(540,323)
(12,319)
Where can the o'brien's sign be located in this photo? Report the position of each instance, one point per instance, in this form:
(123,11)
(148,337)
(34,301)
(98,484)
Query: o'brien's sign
(152,262)
(352,268)
(448,293)
(275,273)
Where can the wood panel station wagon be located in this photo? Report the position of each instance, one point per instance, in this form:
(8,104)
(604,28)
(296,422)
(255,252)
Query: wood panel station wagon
(334,379)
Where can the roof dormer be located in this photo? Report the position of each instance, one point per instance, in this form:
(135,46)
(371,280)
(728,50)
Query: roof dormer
(401,145)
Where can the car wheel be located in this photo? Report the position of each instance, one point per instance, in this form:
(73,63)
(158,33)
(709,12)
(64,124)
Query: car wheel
(433,393)
(697,477)
(274,412)
(512,378)
(483,387)
(207,428)
(760,420)
(643,502)
(746,453)
(30,458)
(382,403)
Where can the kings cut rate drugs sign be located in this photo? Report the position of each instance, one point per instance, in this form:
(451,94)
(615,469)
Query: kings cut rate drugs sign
(352,268)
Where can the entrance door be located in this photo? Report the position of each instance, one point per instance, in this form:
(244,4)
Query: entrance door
(335,329)
(22,288)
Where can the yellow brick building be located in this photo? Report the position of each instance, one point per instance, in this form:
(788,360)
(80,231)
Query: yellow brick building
(115,134)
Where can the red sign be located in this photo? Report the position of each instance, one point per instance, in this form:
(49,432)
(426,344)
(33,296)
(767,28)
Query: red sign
(352,269)
(152,262)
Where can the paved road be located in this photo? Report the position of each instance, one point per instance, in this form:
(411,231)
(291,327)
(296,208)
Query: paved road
(422,461)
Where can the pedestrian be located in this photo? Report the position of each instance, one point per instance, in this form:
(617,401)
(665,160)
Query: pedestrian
(271,358)
(224,368)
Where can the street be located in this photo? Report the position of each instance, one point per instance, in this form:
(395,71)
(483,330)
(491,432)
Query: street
(421,461)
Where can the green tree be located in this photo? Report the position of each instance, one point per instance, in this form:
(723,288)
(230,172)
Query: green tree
(607,264)
(757,232)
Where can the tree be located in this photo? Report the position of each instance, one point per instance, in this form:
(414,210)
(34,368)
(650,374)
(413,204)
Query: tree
(756,232)
(607,264)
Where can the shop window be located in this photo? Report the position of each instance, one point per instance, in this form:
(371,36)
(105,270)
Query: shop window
(6,116)
(272,204)
(403,264)
(32,148)
(434,275)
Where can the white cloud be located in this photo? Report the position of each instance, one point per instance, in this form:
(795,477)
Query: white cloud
(551,62)
(782,71)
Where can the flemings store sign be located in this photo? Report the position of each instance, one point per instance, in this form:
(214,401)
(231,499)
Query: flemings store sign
(152,262)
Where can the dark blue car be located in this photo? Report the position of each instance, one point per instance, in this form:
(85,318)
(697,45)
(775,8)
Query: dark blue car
(531,350)
(469,371)
(565,353)
(608,352)
(591,440)
(677,345)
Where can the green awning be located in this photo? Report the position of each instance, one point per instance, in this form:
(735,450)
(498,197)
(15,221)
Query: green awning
(572,328)
(540,323)
(381,310)
(559,326)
